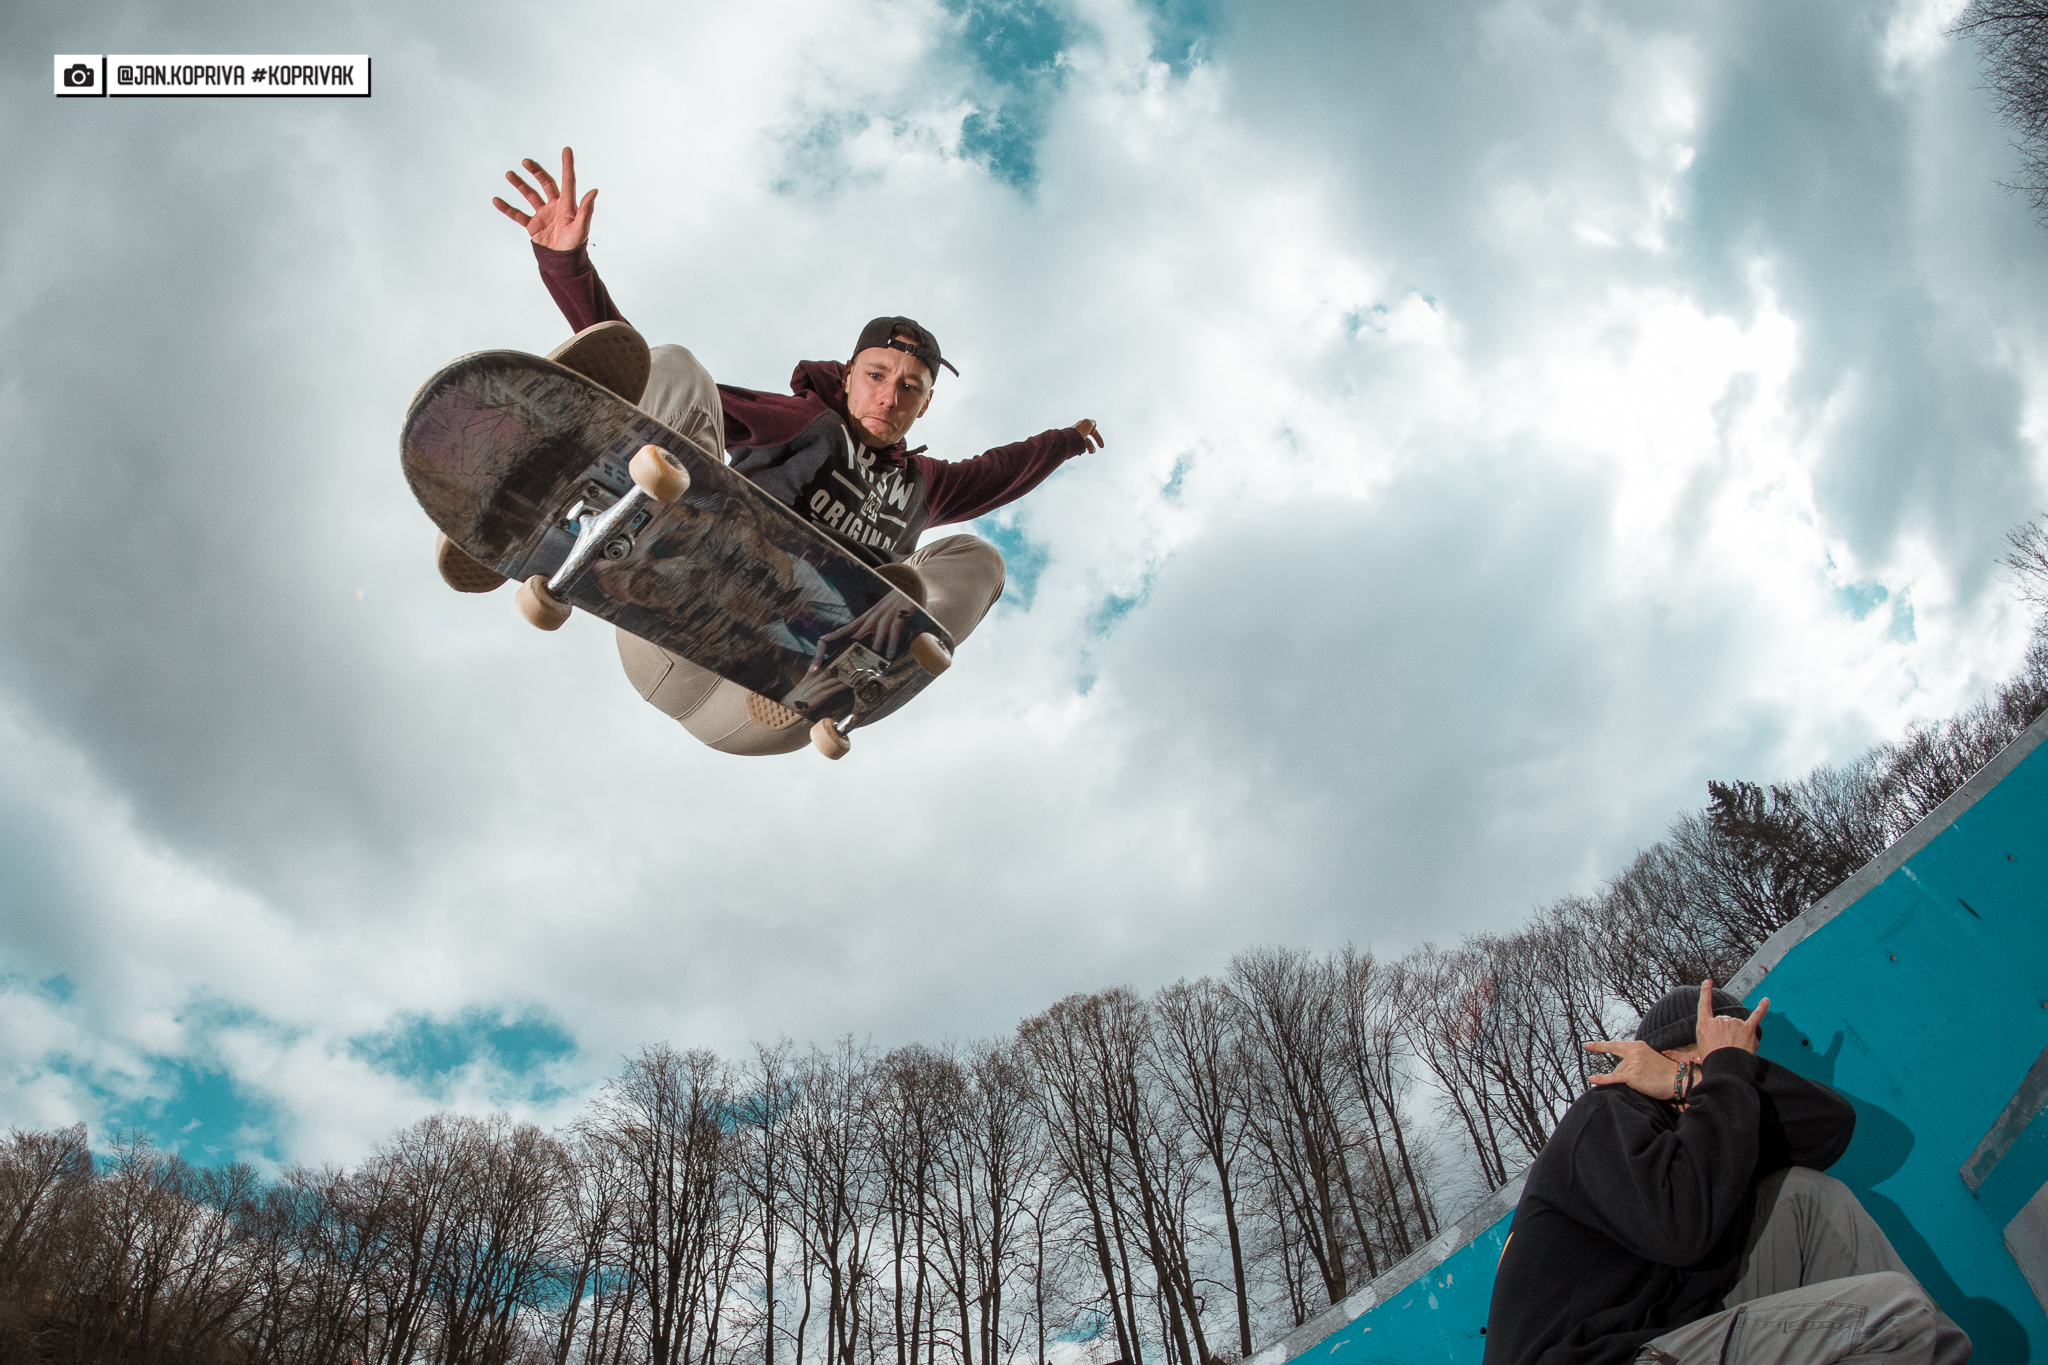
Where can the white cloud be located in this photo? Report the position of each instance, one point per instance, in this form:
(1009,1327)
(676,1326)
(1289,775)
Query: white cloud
(1491,440)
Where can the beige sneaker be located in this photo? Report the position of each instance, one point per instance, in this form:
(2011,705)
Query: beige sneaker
(904,579)
(612,353)
(459,571)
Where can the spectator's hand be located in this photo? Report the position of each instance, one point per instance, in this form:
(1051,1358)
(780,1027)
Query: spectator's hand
(1090,433)
(1642,1068)
(1715,1031)
(557,222)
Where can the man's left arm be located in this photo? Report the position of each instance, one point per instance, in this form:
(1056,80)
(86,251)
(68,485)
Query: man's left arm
(1801,1123)
(961,490)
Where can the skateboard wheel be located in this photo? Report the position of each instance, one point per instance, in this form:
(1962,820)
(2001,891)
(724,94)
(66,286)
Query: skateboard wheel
(657,478)
(538,606)
(830,742)
(931,656)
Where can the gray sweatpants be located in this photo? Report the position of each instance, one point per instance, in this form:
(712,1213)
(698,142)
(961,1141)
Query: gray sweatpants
(1821,1286)
(963,577)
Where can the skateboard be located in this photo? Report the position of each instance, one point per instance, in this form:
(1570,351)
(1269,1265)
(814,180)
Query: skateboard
(557,483)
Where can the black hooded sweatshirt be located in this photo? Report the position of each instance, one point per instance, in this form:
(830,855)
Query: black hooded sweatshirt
(799,446)
(1634,1217)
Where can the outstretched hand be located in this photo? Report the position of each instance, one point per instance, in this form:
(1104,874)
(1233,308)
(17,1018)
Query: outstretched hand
(1090,433)
(1642,1068)
(557,222)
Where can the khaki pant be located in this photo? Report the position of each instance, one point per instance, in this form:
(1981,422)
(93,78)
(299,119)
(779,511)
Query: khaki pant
(1820,1285)
(963,577)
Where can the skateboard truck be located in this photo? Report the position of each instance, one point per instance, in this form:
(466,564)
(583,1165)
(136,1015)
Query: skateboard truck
(654,480)
(864,673)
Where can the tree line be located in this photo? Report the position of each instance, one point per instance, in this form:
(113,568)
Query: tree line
(1146,1179)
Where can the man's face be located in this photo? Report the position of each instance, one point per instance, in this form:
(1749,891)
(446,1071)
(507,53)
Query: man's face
(886,390)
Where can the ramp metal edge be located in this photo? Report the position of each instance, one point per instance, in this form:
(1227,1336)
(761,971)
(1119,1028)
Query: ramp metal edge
(1866,878)
(1502,1201)
(1403,1273)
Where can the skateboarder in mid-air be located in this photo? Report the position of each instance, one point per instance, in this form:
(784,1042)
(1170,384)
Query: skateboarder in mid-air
(832,449)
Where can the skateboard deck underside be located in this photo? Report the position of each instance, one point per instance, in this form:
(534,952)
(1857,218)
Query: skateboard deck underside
(500,447)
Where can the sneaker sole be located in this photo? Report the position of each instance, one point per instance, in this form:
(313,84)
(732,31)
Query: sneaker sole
(770,715)
(461,572)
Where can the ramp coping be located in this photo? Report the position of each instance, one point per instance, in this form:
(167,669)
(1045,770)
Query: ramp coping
(1866,878)
(1398,1277)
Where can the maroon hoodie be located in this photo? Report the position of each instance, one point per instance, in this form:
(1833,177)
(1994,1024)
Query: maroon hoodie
(799,446)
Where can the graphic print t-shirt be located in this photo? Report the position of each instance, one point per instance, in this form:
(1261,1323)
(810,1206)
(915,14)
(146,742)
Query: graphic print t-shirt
(871,503)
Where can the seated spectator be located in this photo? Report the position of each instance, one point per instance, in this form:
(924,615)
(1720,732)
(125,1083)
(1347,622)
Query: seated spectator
(1678,1215)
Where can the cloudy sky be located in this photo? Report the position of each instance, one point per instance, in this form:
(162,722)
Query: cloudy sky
(1519,413)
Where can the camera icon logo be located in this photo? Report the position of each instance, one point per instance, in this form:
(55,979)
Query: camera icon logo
(78,74)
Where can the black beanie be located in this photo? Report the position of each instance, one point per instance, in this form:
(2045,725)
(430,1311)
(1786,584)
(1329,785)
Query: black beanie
(1674,1020)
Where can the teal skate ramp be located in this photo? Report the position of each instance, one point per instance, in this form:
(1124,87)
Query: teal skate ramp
(1919,990)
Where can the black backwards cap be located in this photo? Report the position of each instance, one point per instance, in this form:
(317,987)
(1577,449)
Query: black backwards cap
(887,331)
(1674,1021)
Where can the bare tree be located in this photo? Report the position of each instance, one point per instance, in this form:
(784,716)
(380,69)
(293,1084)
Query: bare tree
(681,1219)
(918,1099)
(1199,1059)
(1292,1015)
(43,1179)
(763,1163)
(836,1184)
(1082,1145)
(2013,35)
(507,1230)
(986,1172)
(1373,1054)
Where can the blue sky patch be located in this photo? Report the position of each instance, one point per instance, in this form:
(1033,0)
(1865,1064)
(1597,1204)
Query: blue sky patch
(1860,599)
(1369,319)
(1087,1327)
(1011,41)
(206,1118)
(813,162)
(1177,480)
(1006,139)
(1014,46)
(1902,624)
(1182,31)
(1024,559)
(426,1051)
(1116,607)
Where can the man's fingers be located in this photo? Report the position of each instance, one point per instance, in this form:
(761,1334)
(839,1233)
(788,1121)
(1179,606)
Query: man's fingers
(1614,1048)
(569,174)
(1606,1078)
(583,209)
(1756,1016)
(526,190)
(1706,999)
(540,173)
(514,214)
